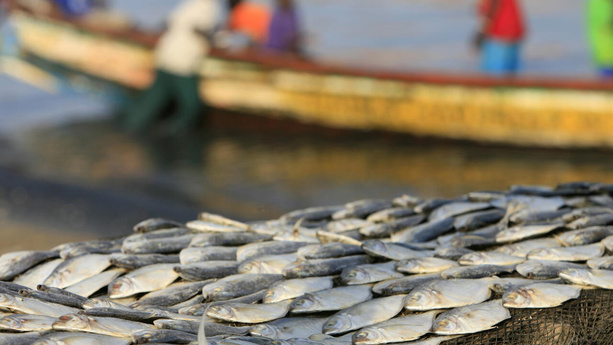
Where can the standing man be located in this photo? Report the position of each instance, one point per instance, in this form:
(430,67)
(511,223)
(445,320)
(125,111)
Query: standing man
(500,34)
(284,31)
(178,56)
(600,33)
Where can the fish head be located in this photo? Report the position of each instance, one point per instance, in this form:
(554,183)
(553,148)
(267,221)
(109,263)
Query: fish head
(221,311)
(471,258)
(337,324)
(370,335)
(374,246)
(121,287)
(447,325)
(213,291)
(517,298)
(575,275)
(274,294)
(303,303)
(142,336)
(264,331)
(540,253)
(7,300)
(420,298)
(10,322)
(355,275)
(254,266)
(72,322)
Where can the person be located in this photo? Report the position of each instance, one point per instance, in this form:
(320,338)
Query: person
(499,37)
(178,56)
(600,34)
(284,31)
(74,8)
(250,19)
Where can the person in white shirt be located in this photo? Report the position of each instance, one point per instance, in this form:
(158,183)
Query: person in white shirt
(178,56)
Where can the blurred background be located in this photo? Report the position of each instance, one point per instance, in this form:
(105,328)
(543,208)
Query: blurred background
(69,171)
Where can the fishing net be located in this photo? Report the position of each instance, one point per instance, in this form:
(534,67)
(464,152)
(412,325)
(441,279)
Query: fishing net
(587,320)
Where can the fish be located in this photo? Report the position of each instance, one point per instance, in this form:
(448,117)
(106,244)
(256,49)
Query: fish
(393,226)
(103,303)
(585,276)
(26,323)
(392,251)
(198,309)
(347,224)
(540,295)
(403,285)
(407,200)
(267,264)
(292,288)
(81,338)
(424,232)
(53,298)
(124,314)
(37,274)
(477,271)
(592,220)
(471,319)
(424,265)
(213,253)
(543,269)
(206,270)
(524,247)
(312,213)
(584,236)
(152,224)
(143,336)
(451,253)
(489,258)
(76,269)
(444,294)
(329,250)
(208,226)
(91,247)
(325,237)
(228,239)
(502,285)
(323,267)
(528,216)
(389,214)
(369,273)
(398,329)
(165,245)
(576,253)
(89,286)
(211,328)
(608,243)
(363,314)
(156,234)
(457,208)
(361,208)
(602,263)
(132,261)
(215,218)
(289,327)
(238,285)
(15,263)
(254,250)
(472,241)
(144,279)
(250,313)
(520,232)
(475,220)
(332,299)
(172,294)
(25,305)
(99,325)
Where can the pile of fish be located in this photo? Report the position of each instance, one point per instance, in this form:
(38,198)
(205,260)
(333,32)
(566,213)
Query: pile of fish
(406,270)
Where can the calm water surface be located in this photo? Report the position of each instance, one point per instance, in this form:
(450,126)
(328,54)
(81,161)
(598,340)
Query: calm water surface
(67,172)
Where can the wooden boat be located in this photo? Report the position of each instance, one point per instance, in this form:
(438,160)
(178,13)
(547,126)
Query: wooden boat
(518,111)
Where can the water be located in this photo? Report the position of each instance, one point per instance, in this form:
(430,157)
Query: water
(67,172)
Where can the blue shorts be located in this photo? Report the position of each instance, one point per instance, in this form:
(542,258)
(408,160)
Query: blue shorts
(499,58)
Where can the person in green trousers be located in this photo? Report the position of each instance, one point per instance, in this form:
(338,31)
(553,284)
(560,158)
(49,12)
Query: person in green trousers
(600,32)
(178,58)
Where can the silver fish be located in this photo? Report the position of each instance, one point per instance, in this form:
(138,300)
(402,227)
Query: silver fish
(489,258)
(228,239)
(213,253)
(211,329)
(292,288)
(370,273)
(70,301)
(392,251)
(208,226)
(198,309)
(27,305)
(254,250)
(524,247)
(172,294)
(289,327)
(207,270)
(588,221)
(332,299)
(502,285)
(103,303)
(364,314)
(156,234)
(471,319)
(451,253)
(144,279)
(215,218)
(330,250)
(79,338)
(425,265)
(477,271)
(521,232)
(312,213)
(132,261)
(528,216)
(424,232)
(393,226)
(404,328)
(77,269)
(26,323)
(250,313)
(37,274)
(163,245)
(608,243)
(407,200)
(442,294)
(12,264)
(99,325)
(543,269)
(577,253)
(238,285)
(323,267)
(602,263)
(325,237)
(142,336)
(267,264)
(403,285)
(584,276)
(478,219)
(89,286)
(361,208)
(457,208)
(155,224)
(390,214)
(540,295)
(584,236)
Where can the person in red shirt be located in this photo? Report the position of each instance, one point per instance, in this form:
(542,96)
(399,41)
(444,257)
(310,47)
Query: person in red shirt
(250,19)
(500,34)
